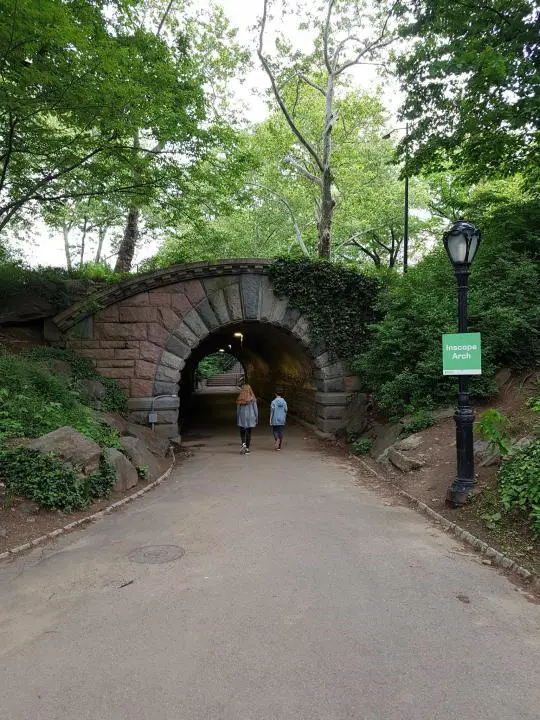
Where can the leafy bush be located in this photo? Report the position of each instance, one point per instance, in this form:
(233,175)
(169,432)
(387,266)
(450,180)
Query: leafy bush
(115,399)
(361,445)
(495,427)
(338,302)
(418,422)
(216,363)
(35,401)
(44,479)
(519,481)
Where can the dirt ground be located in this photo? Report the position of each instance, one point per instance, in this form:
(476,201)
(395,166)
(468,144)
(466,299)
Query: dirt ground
(511,533)
(22,521)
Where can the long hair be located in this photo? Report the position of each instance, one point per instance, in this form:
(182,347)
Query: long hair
(246,395)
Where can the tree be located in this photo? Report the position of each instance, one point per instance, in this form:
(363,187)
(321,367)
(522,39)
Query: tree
(470,73)
(76,82)
(347,33)
(176,141)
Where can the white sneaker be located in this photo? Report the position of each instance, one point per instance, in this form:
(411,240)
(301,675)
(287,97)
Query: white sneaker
(243,449)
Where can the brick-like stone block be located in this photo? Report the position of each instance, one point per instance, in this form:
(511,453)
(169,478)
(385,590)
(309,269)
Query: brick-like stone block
(194,322)
(194,291)
(169,318)
(127,354)
(290,317)
(177,347)
(234,303)
(250,288)
(145,403)
(157,334)
(207,314)
(84,329)
(149,351)
(118,343)
(115,363)
(117,373)
(124,383)
(329,398)
(213,285)
(140,388)
(267,298)
(138,314)
(88,344)
(97,354)
(117,331)
(172,361)
(352,383)
(139,299)
(145,370)
(161,299)
(279,309)
(336,384)
(186,335)
(219,306)
(167,374)
(180,303)
(322,360)
(109,314)
(165,388)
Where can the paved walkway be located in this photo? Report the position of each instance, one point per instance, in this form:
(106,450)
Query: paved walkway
(301,595)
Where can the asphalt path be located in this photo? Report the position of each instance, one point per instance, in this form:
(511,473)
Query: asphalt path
(269,586)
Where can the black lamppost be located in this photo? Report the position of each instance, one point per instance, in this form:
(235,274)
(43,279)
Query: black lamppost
(461,243)
(406,200)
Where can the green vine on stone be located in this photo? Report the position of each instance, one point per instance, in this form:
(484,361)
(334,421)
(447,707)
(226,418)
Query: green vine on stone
(338,302)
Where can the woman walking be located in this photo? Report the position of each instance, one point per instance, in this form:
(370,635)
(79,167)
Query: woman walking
(247,416)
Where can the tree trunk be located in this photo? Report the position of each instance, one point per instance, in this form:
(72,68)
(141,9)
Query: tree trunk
(324,226)
(129,242)
(102,231)
(83,241)
(67,249)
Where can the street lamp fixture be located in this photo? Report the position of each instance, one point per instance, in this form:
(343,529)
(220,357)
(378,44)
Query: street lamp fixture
(461,243)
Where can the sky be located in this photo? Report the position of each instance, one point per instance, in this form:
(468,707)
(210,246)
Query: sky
(48,246)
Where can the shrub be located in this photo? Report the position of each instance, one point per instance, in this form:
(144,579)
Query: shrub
(495,427)
(418,422)
(44,479)
(361,446)
(216,363)
(339,302)
(519,482)
(115,399)
(35,401)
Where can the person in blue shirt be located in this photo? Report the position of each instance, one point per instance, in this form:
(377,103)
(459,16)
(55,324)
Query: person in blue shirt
(278,418)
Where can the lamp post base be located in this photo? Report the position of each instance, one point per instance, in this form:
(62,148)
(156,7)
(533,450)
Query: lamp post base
(457,497)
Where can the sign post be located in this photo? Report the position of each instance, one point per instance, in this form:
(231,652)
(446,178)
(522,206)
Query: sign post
(462,354)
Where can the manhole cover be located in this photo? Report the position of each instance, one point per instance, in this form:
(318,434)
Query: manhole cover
(156,554)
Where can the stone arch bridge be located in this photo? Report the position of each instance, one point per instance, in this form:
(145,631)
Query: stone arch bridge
(149,333)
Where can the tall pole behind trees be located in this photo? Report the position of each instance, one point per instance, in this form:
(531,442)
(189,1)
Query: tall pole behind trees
(341,45)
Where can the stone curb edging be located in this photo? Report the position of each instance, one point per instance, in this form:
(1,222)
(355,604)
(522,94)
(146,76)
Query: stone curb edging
(497,558)
(89,518)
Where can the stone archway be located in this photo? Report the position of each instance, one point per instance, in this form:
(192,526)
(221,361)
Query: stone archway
(145,333)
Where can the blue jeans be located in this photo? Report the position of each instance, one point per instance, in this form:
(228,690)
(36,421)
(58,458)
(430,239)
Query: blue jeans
(278,433)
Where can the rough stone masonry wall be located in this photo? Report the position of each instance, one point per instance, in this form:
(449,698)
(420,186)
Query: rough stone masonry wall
(143,342)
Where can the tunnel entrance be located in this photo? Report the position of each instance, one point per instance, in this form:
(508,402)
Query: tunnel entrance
(268,358)
(149,333)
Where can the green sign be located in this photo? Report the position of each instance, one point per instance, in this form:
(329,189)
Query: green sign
(462,354)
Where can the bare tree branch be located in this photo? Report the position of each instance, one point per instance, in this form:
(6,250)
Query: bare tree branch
(302,170)
(277,94)
(284,202)
(314,85)
(326,34)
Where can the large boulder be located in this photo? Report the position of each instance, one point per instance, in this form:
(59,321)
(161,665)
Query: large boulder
(402,462)
(91,391)
(385,436)
(71,447)
(486,454)
(113,420)
(140,456)
(157,444)
(126,474)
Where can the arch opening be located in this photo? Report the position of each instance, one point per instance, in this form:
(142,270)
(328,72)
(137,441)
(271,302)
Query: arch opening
(270,358)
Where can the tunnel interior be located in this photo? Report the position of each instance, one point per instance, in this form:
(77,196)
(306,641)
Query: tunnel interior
(271,358)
